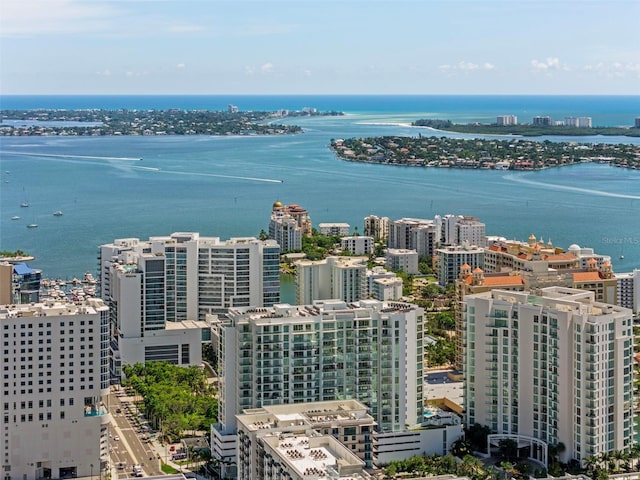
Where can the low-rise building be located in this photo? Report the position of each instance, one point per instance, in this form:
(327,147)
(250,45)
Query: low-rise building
(334,229)
(346,420)
(357,245)
(402,260)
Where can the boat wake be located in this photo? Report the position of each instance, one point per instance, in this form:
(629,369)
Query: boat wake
(551,186)
(60,155)
(236,177)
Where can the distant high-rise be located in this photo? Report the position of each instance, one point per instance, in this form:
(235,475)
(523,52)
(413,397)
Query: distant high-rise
(343,278)
(288,225)
(158,290)
(451,259)
(546,121)
(416,234)
(459,229)
(376,227)
(507,120)
(580,122)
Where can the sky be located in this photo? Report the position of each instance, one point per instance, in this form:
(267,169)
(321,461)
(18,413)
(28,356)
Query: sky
(320,47)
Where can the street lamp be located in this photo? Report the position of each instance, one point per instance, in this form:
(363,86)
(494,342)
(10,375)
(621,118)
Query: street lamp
(91,465)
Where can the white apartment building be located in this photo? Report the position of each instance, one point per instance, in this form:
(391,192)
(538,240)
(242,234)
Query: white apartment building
(549,368)
(288,225)
(629,290)
(343,278)
(580,122)
(357,245)
(413,234)
(470,230)
(294,424)
(160,290)
(376,227)
(55,378)
(459,229)
(451,259)
(334,229)
(384,287)
(402,260)
(507,120)
(286,232)
(369,350)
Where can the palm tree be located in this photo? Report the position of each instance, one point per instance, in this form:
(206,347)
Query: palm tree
(591,463)
(470,467)
(634,454)
(618,456)
(605,461)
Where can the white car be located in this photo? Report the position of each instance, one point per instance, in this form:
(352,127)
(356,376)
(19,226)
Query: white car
(116,438)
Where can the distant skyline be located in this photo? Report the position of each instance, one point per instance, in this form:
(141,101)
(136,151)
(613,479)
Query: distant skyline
(320,47)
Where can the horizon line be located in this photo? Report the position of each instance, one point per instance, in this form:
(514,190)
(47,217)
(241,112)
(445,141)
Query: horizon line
(320,94)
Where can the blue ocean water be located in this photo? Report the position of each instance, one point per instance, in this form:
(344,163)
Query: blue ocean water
(225,186)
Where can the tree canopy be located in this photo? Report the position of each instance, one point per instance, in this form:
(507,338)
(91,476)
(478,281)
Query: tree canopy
(175,399)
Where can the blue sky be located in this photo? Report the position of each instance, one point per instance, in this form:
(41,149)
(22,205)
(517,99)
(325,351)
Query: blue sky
(319,47)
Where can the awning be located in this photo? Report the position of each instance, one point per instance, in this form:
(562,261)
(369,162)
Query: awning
(22,269)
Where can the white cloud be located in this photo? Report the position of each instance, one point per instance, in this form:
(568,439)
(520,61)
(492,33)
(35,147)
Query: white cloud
(131,73)
(267,68)
(550,64)
(39,17)
(105,73)
(466,66)
(307,73)
(248,70)
(615,69)
(181,65)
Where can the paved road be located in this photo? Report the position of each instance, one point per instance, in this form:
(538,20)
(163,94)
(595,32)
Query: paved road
(129,449)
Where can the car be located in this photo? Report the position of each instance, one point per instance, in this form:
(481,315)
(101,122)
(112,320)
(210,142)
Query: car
(116,438)
(172,448)
(118,410)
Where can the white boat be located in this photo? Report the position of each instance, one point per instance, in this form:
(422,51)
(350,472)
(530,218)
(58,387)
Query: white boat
(15,217)
(24,204)
(57,213)
(32,225)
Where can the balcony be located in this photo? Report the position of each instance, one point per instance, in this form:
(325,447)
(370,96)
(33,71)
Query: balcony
(95,410)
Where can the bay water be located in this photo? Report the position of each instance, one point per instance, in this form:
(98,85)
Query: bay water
(225,186)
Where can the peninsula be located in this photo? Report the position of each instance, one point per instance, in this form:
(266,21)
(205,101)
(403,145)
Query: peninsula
(100,122)
(478,153)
